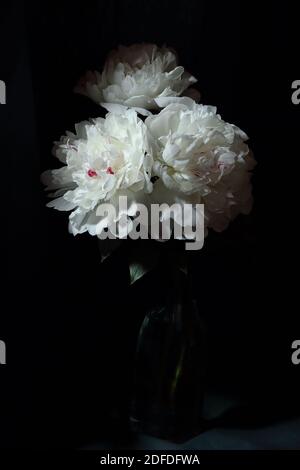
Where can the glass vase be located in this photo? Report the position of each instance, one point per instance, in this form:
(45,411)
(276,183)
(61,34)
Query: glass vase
(170,365)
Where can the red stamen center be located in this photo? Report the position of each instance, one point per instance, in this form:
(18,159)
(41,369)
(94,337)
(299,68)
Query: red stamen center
(92,173)
(110,171)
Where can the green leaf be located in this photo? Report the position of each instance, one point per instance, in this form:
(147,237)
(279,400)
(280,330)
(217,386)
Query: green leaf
(137,270)
(107,247)
(142,259)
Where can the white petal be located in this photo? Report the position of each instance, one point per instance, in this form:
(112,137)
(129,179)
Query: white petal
(61,204)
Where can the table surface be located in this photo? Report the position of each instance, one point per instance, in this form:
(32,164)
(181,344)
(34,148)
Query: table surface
(270,434)
(285,435)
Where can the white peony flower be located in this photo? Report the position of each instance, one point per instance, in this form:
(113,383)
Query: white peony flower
(137,76)
(104,159)
(201,159)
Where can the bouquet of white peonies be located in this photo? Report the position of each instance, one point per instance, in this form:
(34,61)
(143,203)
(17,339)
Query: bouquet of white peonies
(156,145)
(156,151)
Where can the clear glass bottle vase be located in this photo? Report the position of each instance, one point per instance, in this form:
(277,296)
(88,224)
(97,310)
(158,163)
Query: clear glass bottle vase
(170,365)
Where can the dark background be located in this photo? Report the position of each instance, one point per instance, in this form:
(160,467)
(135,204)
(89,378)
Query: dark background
(70,325)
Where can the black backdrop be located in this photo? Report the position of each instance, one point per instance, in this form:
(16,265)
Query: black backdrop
(70,324)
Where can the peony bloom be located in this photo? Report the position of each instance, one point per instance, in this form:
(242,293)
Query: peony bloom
(200,158)
(137,76)
(104,159)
